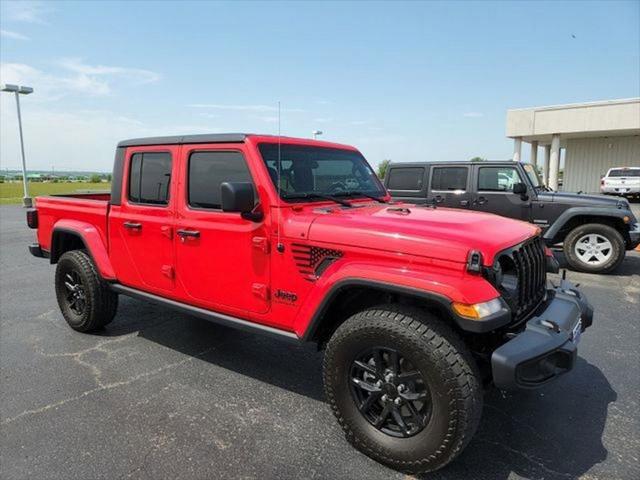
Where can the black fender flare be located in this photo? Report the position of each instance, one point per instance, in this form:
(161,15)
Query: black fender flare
(492,322)
(550,234)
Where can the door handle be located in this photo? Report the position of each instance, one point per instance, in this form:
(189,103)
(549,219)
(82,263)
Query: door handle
(438,198)
(464,203)
(188,233)
(482,200)
(132,225)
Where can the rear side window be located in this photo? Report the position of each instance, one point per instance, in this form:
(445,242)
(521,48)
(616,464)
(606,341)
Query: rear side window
(208,170)
(407,178)
(497,179)
(449,178)
(150,178)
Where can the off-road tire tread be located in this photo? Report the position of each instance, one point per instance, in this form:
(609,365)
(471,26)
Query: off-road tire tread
(454,361)
(102,300)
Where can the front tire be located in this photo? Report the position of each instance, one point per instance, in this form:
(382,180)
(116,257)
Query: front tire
(594,248)
(85,300)
(403,386)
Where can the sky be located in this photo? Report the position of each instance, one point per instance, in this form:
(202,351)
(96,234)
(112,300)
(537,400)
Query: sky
(412,81)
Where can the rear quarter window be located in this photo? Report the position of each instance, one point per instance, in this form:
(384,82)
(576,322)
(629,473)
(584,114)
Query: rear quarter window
(406,178)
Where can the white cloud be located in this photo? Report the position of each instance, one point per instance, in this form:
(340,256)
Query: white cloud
(322,120)
(13,35)
(134,75)
(473,114)
(75,77)
(243,108)
(74,139)
(28,12)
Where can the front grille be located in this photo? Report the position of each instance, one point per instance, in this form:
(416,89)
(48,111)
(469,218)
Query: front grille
(530,269)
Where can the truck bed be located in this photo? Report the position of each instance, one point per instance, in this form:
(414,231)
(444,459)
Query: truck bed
(58,210)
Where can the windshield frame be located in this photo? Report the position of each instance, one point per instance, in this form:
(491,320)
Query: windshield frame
(282,194)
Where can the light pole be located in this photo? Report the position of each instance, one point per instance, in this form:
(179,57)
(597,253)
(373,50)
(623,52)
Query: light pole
(316,133)
(18,90)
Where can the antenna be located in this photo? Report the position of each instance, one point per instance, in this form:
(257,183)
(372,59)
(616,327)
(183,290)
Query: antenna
(279,245)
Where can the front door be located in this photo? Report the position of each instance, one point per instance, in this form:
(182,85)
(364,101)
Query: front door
(222,259)
(448,186)
(140,229)
(494,192)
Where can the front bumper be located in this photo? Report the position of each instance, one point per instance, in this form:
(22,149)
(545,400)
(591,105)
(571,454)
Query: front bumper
(547,347)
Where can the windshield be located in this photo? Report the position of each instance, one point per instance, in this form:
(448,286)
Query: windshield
(533,175)
(306,171)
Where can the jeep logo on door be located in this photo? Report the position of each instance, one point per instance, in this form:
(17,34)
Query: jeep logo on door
(285,296)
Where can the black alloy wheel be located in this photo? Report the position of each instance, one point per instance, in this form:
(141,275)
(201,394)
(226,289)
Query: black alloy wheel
(390,392)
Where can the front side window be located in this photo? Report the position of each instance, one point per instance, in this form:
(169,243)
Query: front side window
(308,170)
(449,178)
(497,179)
(150,178)
(207,172)
(406,178)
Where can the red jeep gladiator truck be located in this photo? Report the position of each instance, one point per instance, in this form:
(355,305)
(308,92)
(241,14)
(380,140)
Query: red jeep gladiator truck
(418,308)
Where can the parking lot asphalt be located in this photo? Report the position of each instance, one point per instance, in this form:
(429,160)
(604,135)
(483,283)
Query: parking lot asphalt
(160,395)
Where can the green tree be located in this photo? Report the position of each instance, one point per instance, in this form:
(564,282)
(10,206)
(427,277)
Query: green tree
(382,168)
(95,178)
(478,159)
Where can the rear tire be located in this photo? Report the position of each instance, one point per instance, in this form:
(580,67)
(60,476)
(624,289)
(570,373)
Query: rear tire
(446,387)
(594,248)
(85,300)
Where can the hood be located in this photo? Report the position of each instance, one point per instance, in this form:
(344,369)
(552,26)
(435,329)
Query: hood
(442,233)
(580,199)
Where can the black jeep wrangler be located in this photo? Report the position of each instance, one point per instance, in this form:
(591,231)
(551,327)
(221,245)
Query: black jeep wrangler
(593,230)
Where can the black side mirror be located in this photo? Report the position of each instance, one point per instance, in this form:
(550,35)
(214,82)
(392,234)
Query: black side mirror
(239,197)
(520,189)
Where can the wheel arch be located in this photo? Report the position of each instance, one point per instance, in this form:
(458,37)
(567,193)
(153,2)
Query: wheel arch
(352,295)
(575,217)
(66,237)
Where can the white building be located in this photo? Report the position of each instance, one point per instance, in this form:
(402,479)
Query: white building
(595,136)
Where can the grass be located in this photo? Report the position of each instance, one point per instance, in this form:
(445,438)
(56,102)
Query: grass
(11,193)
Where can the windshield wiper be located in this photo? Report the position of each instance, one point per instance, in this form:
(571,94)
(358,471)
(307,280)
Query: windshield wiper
(354,193)
(323,196)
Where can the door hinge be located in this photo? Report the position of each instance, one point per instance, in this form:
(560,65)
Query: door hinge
(167,271)
(260,290)
(261,243)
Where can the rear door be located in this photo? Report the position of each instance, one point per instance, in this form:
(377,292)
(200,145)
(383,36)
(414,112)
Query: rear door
(449,186)
(140,228)
(222,259)
(493,186)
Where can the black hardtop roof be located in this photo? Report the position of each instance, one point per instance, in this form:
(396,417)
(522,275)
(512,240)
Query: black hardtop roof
(454,163)
(180,139)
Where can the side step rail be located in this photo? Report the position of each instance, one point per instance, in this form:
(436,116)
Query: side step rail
(214,317)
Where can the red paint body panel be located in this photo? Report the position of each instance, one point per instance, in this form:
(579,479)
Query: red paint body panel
(233,267)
